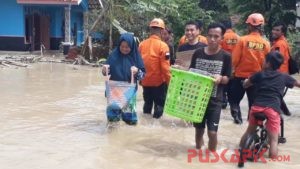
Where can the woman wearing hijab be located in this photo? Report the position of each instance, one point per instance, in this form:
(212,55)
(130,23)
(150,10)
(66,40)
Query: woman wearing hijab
(123,60)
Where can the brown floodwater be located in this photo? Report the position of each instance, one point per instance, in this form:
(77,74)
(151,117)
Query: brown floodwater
(53,117)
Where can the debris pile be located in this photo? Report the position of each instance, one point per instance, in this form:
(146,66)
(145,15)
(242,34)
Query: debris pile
(17,60)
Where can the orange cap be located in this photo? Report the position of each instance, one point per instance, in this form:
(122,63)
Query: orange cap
(157,22)
(255,19)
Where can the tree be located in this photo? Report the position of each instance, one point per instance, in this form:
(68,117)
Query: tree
(135,15)
(273,10)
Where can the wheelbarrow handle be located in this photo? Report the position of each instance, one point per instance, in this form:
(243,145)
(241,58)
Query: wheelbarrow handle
(106,72)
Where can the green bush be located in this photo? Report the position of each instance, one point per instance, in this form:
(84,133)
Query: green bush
(294,41)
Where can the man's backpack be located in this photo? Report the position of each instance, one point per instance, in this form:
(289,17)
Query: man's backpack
(293,66)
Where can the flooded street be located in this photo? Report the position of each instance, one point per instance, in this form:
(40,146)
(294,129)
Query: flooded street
(53,117)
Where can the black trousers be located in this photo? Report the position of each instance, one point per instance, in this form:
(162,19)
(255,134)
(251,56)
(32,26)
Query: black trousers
(157,96)
(225,94)
(283,105)
(236,93)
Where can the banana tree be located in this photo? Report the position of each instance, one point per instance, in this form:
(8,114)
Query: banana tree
(134,15)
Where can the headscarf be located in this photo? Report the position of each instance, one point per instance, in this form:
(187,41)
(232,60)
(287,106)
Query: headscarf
(120,64)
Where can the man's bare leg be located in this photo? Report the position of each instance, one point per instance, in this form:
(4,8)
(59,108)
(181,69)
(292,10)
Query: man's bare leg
(199,137)
(212,140)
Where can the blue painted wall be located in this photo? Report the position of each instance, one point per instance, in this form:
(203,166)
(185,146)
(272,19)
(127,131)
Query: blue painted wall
(11,18)
(57,17)
(12,22)
(77,17)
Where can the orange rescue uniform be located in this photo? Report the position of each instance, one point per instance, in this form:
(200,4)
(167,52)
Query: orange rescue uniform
(249,54)
(230,40)
(281,45)
(184,40)
(155,54)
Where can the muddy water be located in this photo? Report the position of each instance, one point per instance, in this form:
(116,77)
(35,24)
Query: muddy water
(52,117)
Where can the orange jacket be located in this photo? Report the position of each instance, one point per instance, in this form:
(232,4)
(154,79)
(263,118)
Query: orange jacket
(201,38)
(282,46)
(155,54)
(249,54)
(230,40)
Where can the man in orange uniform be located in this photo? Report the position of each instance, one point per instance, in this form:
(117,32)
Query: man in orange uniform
(281,45)
(228,43)
(230,37)
(201,38)
(156,55)
(248,57)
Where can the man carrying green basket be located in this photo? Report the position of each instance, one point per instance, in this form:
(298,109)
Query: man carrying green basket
(216,62)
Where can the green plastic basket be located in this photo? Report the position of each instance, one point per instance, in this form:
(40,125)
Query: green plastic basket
(188,95)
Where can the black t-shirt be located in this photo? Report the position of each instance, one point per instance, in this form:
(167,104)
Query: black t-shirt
(187,46)
(219,63)
(270,87)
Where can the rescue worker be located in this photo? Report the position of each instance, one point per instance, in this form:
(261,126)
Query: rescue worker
(248,57)
(281,45)
(228,43)
(230,37)
(155,54)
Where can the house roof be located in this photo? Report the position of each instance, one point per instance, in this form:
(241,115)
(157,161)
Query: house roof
(50,2)
(90,4)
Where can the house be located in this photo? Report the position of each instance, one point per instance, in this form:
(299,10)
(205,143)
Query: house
(28,24)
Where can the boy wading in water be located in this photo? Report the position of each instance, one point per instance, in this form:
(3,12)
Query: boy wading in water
(216,62)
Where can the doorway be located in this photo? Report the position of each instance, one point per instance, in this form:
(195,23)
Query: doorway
(37,30)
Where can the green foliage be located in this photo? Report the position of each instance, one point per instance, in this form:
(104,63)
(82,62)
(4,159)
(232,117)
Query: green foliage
(188,10)
(273,11)
(135,15)
(294,40)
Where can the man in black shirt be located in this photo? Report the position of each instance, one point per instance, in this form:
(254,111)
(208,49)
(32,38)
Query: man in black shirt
(191,33)
(215,62)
